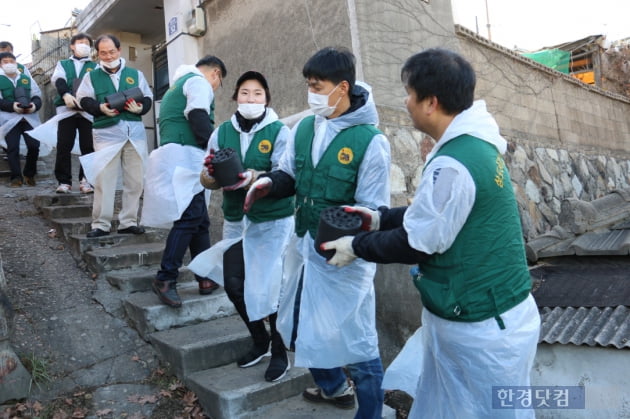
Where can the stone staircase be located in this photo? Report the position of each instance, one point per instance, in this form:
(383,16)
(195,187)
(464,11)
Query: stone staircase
(200,341)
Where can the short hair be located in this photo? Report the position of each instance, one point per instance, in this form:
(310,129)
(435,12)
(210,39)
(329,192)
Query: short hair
(335,64)
(6,54)
(113,38)
(441,73)
(212,61)
(6,44)
(253,75)
(79,36)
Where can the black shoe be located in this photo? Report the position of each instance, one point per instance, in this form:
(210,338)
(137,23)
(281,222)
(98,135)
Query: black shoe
(167,292)
(131,230)
(207,286)
(278,366)
(345,400)
(253,357)
(97,232)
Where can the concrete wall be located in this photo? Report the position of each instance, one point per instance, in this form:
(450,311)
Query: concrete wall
(604,372)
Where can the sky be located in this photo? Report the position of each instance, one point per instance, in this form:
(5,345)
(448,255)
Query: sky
(534,24)
(525,24)
(20,18)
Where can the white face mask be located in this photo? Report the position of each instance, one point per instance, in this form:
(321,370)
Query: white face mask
(319,103)
(82,50)
(111,65)
(10,68)
(251,110)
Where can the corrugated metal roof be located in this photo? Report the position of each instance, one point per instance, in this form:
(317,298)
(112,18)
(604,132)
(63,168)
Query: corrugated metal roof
(609,326)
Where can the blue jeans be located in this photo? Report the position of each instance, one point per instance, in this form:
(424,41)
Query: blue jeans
(190,231)
(367,377)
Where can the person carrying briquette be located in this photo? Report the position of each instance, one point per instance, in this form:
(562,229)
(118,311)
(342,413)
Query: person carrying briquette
(173,196)
(335,157)
(120,140)
(66,78)
(480,324)
(253,244)
(20,99)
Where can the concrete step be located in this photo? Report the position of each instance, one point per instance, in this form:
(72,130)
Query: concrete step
(146,313)
(296,407)
(74,198)
(66,211)
(202,346)
(139,279)
(105,259)
(230,392)
(68,226)
(80,243)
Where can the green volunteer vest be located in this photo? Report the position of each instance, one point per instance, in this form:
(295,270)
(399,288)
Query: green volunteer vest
(174,127)
(484,273)
(71,74)
(334,181)
(8,89)
(257,157)
(21,68)
(103,86)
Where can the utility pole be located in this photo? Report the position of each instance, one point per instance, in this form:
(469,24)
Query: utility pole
(488,20)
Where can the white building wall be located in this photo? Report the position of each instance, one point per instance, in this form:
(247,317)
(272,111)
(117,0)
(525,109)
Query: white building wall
(604,372)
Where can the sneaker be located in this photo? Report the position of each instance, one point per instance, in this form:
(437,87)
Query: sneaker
(207,286)
(63,188)
(30,180)
(345,400)
(253,357)
(278,367)
(85,187)
(15,183)
(167,292)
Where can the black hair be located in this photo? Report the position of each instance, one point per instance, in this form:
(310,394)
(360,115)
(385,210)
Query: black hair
(6,54)
(334,64)
(212,61)
(441,73)
(253,75)
(6,44)
(113,38)
(79,36)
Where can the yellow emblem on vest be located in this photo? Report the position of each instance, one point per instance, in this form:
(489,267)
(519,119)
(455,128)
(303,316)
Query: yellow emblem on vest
(88,69)
(499,177)
(24,81)
(130,80)
(345,155)
(264,146)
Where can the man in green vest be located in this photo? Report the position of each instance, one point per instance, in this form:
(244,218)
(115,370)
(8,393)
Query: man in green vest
(6,46)
(66,77)
(173,196)
(119,137)
(480,323)
(20,99)
(335,157)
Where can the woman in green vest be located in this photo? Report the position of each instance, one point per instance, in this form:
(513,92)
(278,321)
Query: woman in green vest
(66,78)
(252,264)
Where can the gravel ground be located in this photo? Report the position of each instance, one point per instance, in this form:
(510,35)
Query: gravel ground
(85,358)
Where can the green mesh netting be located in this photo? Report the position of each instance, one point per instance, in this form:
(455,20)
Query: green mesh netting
(552,58)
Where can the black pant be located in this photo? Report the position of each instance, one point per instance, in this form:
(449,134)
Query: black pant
(66,133)
(13,150)
(189,232)
(234,285)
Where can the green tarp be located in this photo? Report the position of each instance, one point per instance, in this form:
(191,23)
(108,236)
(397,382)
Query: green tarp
(552,58)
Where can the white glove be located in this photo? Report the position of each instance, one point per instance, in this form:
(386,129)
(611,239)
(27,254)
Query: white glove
(70,101)
(207,180)
(259,189)
(107,111)
(371,219)
(344,254)
(17,108)
(133,106)
(246,179)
